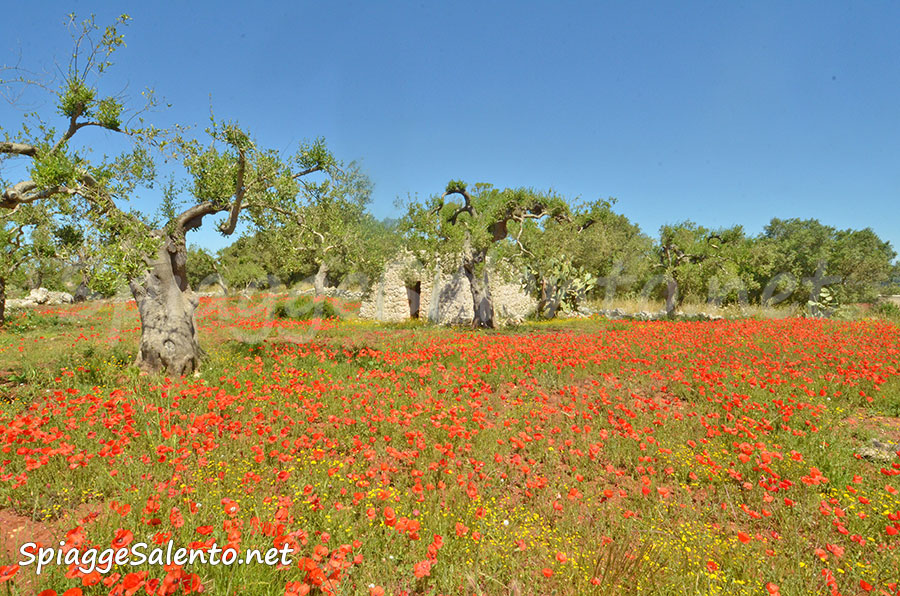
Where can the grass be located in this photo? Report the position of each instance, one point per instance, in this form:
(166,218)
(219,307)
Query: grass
(560,457)
(690,307)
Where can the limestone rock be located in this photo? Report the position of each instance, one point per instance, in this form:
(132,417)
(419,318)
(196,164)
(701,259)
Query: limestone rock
(60,298)
(39,295)
(879,452)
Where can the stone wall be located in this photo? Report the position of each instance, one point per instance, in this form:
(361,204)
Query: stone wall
(442,298)
(388,299)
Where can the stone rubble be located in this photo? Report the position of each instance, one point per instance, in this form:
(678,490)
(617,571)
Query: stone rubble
(40,297)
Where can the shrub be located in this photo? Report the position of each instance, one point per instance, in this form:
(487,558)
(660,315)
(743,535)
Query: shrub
(886,310)
(304,308)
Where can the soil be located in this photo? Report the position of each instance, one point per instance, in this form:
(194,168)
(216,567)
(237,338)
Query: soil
(16,530)
(9,385)
(885,427)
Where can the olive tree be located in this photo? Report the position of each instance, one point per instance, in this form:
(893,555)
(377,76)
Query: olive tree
(857,262)
(46,170)
(329,230)
(570,258)
(462,232)
(229,175)
(226,174)
(243,263)
(16,246)
(690,257)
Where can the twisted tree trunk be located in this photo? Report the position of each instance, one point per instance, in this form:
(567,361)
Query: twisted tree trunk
(321,278)
(2,300)
(482,302)
(475,271)
(673,297)
(166,304)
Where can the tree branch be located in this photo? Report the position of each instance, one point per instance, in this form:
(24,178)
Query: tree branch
(192,218)
(298,219)
(466,208)
(306,172)
(73,128)
(22,193)
(18,148)
(20,233)
(519,242)
(228,227)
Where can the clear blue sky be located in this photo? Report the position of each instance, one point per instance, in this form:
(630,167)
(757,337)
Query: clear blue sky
(717,112)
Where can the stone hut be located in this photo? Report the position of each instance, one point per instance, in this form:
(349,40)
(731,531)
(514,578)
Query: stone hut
(409,290)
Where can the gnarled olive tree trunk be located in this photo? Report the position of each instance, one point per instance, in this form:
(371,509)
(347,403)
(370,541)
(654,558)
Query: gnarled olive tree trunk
(321,278)
(2,300)
(166,305)
(673,297)
(475,270)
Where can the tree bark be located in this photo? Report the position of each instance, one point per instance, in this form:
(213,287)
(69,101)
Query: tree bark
(672,297)
(548,303)
(2,300)
(166,304)
(543,292)
(321,278)
(482,302)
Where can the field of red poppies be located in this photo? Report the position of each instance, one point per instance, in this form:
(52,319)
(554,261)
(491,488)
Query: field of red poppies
(588,457)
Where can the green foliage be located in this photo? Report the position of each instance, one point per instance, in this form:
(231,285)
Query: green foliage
(201,267)
(892,286)
(99,57)
(235,137)
(455,186)
(170,206)
(109,113)
(105,281)
(68,235)
(304,308)
(529,234)
(122,241)
(55,169)
(80,225)
(594,250)
(242,263)
(326,223)
(859,259)
(76,98)
(315,155)
(887,310)
(27,250)
(703,263)
(561,285)
(448,231)
(213,173)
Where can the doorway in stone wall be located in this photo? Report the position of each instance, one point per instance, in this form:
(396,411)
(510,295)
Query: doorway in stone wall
(413,292)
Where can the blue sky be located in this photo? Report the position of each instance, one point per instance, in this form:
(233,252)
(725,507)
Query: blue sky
(717,112)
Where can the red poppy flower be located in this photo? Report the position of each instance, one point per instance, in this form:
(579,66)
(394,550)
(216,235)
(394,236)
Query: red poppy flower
(7,572)
(122,538)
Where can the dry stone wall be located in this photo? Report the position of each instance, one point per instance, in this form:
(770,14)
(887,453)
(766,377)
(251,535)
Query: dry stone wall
(442,298)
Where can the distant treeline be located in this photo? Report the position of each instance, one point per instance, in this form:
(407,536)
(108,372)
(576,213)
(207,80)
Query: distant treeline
(790,262)
(560,259)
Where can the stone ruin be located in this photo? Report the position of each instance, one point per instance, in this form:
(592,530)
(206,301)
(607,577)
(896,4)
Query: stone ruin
(40,297)
(409,290)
